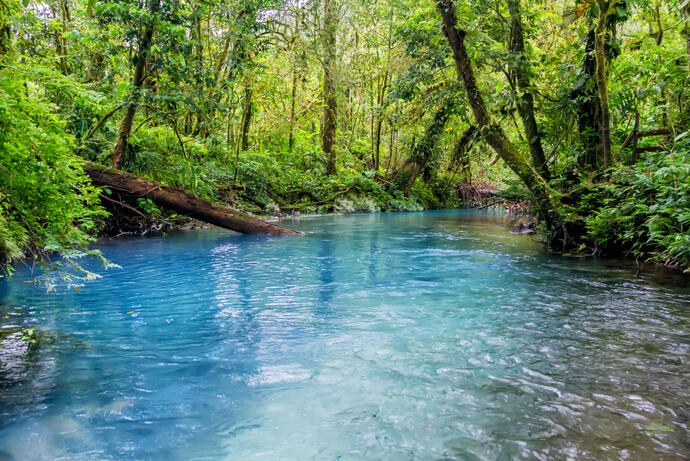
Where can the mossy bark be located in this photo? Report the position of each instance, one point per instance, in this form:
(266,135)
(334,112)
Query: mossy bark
(247,112)
(329,92)
(180,201)
(686,16)
(602,82)
(422,151)
(586,97)
(489,128)
(137,82)
(525,105)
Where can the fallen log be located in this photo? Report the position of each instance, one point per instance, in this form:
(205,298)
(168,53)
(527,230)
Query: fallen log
(180,201)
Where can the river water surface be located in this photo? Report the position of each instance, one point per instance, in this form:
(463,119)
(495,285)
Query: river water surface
(430,336)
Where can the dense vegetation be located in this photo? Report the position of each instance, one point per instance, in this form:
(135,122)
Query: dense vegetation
(582,107)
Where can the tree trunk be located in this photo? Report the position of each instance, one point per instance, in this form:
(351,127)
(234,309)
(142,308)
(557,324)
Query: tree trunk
(588,107)
(377,150)
(602,82)
(293,94)
(293,101)
(526,99)
(663,100)
(489,128)
(329,92)
(180,202)
(686,16)
(137,82)
(381,97)
(221,61)
(58,37)
(5,40)
(247,116)
(422,151)
(390,148)
(5,33)
(461,153)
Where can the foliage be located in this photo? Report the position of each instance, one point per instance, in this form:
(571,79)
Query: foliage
(645,211)
(46,202)
(231,110)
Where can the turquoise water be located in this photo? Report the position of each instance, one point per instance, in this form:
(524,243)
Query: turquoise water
(431,336)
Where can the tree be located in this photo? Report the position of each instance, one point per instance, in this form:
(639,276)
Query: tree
(489,128)
(525,105)
(330,102)
(686,20)
(602,81)
(424,149)
(138,78)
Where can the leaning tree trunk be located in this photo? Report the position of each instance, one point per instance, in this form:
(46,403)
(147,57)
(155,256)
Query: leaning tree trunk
(461,154)
(180,202)
(137,82)
(422,152)
(489,128)
(525,103)
(329,95)
(602,82)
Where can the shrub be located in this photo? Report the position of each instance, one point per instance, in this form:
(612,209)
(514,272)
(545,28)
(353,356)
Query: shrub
(46,201)
(645,210)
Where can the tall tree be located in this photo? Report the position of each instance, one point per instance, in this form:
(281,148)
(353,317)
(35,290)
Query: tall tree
(330,102)
(520,70)
(588,107)
(686,17)
(61,12)
(295,77)
(600,35)
(247,112)
(382,87)
(6,11)
(137,82)
(489,128)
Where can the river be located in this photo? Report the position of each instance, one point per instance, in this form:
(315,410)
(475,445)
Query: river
(395,336)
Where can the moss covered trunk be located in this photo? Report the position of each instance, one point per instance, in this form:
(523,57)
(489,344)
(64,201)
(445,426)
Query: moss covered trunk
(137,82)
(489,128)
(525,105)
(422,151)
(180,201)
(602,82)
(329,95)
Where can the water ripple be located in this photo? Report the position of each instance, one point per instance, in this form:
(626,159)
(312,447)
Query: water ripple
(398,336)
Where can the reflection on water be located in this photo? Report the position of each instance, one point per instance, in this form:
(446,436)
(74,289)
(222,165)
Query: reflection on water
(432,335)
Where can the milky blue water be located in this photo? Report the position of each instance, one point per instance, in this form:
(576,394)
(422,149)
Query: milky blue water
(431,336)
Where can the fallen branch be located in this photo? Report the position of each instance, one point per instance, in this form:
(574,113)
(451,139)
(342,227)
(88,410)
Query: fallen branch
(123,205)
